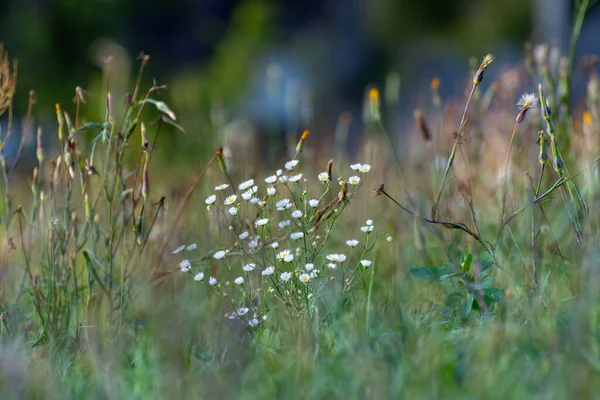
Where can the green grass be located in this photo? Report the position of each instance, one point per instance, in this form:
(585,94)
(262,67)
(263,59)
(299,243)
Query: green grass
(488,286)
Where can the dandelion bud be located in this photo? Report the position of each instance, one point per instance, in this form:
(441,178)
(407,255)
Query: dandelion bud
(422,125)
(527,102)
(300,144)
(40,148)
(145,183)
(220,160)
(478,77)
(61,122)
(543,157)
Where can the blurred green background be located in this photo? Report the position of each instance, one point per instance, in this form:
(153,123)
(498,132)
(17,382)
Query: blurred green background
(279,65)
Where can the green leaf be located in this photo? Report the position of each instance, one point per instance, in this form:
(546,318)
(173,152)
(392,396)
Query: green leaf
(423,273)
(465,265)
(485,262)
(494,294)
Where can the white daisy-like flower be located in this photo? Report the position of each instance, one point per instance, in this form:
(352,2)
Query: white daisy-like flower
(283,204)
(261,222)
(210,199)
(332,265)
(244,235)
(199,276)
(309,267)
(212,281)
(242,311)
(179,249)
(367,229)
(253,322)
(285,223)
(297,214)
(271,191)
(314,274)
(222,186)
(285,276)
(219,254)
(366,263)
(355,167)
(279,172)
(323,177)
(296,235)
(283,179)
(253,244)
(285,255)
(254,200)
(354,180)
(304,278)
(295,178)
(352,243)
(275,245)
(389,239)
(249,267)
(232,211)
(246,185)
(191,247)
(239,280)
(336,257)
(247,195)
(185,265)
(290,165)
(268,271)
(271,179)
(364,168)
(230,200)
(313,202)
(369,222)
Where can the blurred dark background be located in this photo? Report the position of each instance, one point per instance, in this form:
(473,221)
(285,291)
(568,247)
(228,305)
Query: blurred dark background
(255,59)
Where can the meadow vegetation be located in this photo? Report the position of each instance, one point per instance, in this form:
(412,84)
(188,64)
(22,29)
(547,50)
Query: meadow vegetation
(459,262)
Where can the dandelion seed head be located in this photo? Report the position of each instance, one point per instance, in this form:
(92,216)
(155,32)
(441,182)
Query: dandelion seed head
(528,101)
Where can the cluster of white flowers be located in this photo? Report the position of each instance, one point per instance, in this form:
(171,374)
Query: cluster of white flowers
(290,262)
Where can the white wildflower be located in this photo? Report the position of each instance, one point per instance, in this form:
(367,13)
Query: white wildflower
(295,178)
(285,223)
(275,245)
(249,267)
(254,200)
(313,202)
(253,244)
(309,266)
(271,179)
(364,168)
(336,257)
(271,191)
(352,243)
(296,235)
(261,222)
(279,172)
(297,214)
(285,255)
(323,177)
(242,311)
(222,186)
(366,263)
(230,200)
(210,199)
(268,271)
(369,222)
(283,204)
(199,276)
(220,254)
(304,278)
(291,164)
(191,247)
(179,249)
(185,265)
(253,322)
(283,179)
(367,229)
(244,235)
(247,195)
(212,281)
(355,167)
(232,211)
(239,280)
(354,180)
(285,276)
(246,185)
(332,265)
(389,239)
